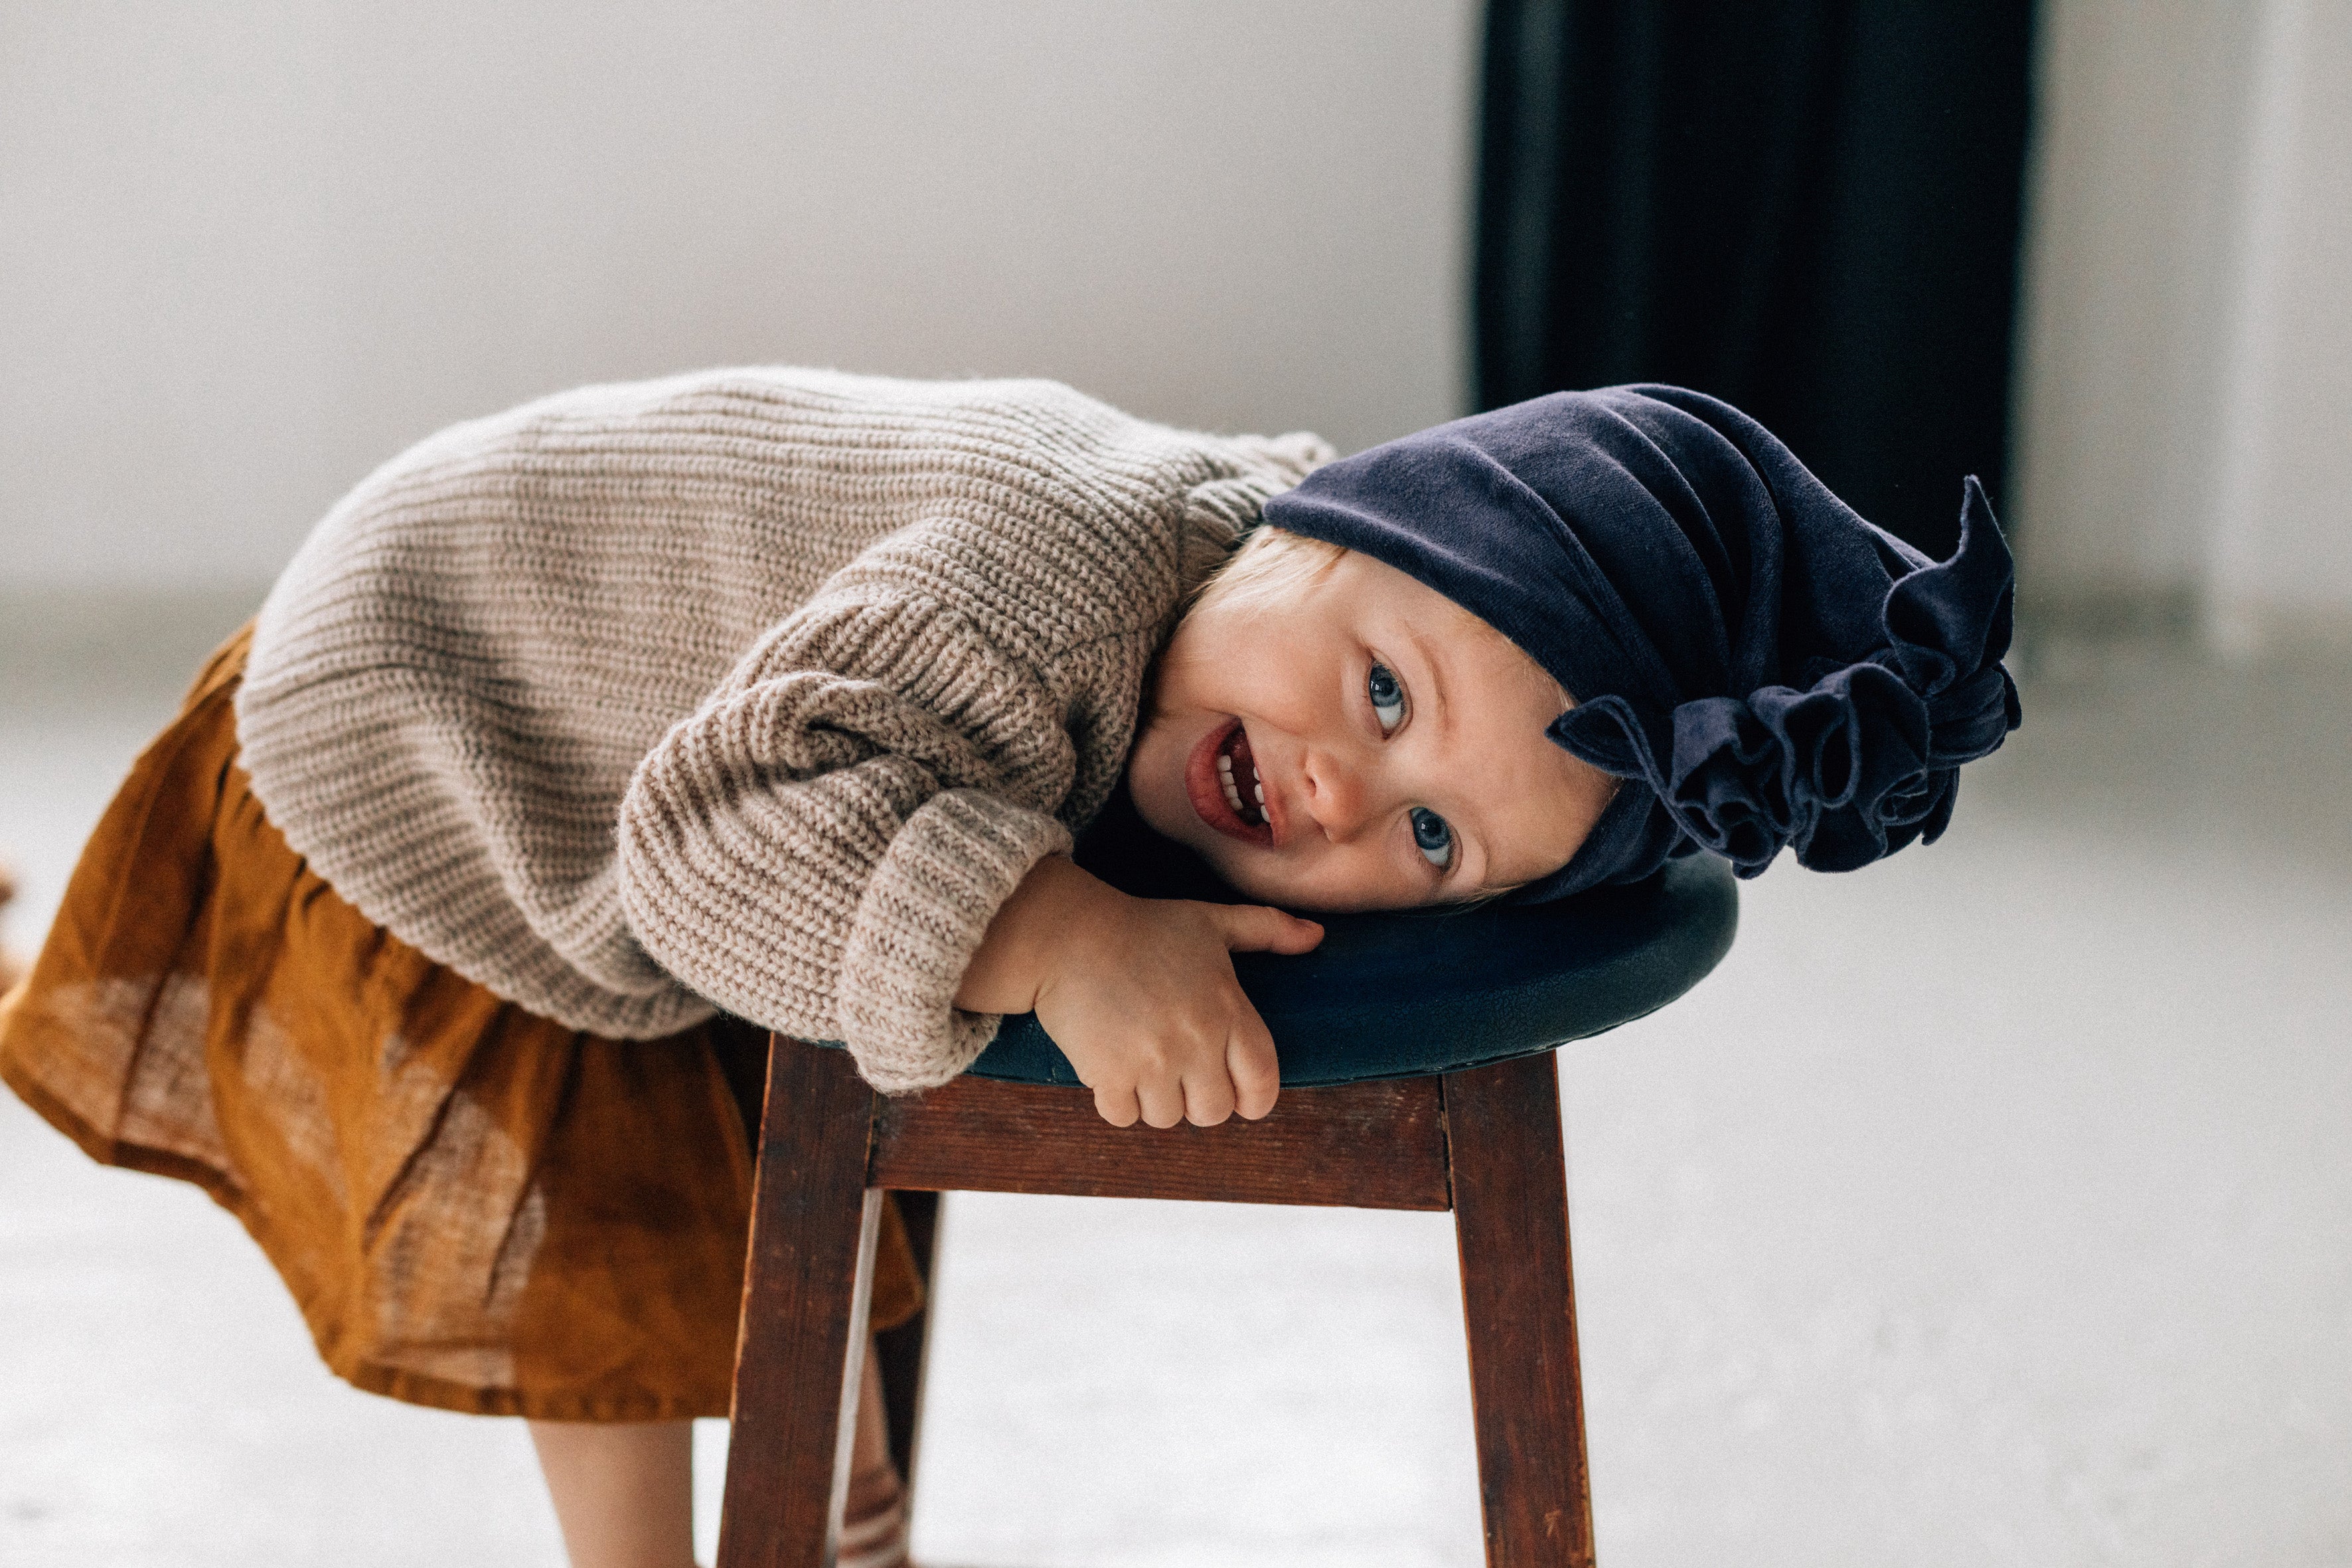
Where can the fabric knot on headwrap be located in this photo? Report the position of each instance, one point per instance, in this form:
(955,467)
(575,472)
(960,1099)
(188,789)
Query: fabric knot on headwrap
(1772,670)
(1853,767)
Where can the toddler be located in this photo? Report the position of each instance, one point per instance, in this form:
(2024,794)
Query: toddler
(439,935)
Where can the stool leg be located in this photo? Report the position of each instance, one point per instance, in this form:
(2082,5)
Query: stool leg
(805,1291)
(1510,1221)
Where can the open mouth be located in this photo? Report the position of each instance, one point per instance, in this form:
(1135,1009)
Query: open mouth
(1237,776)
(1226,791)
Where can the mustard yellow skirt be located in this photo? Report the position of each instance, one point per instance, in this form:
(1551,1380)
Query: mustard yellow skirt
(476,1207)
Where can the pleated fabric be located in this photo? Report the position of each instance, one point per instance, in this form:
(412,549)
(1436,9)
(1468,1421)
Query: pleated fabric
(475,1207)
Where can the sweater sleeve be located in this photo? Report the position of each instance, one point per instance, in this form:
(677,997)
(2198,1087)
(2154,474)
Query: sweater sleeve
(821,847)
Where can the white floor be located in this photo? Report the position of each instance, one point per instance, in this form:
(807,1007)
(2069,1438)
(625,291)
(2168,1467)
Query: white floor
(1992,1207)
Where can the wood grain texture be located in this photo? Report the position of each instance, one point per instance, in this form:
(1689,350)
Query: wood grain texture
(1360,1145)
(1484,1142)
(1518,1300)
(804,1296)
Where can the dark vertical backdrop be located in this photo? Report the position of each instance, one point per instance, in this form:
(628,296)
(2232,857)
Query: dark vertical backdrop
(1806,208)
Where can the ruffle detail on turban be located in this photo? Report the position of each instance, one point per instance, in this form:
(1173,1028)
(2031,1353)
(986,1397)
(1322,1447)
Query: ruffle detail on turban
(1859,765)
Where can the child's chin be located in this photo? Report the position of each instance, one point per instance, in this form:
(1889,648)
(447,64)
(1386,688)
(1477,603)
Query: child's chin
(1240,868)
(1258,877)
(1159,799)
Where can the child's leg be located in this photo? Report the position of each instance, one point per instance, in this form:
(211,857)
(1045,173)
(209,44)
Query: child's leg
(874,1519)
(10,970)
(624,1492)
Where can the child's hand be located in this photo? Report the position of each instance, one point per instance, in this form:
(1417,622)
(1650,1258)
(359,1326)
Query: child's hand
(1140,993)
(1148,1011)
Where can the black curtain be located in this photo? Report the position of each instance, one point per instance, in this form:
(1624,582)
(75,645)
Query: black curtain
(1809,208)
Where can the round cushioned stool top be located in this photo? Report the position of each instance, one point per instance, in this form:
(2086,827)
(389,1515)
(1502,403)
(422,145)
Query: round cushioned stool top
(1395,996)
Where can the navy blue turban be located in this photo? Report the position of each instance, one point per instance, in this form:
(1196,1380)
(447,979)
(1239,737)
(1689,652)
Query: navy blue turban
(1764,668)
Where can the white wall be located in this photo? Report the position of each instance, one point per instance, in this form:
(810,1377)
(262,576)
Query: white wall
(2186,395)
(248,250)
(2282,547)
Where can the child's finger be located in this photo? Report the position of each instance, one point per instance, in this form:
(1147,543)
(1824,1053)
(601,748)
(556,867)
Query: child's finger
(1162,1100)
(1254,1067)
(1253,928)
(1116,1106)
(1208,1096)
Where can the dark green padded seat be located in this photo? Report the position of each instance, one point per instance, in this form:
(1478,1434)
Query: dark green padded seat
(1397,996)
(1400,994)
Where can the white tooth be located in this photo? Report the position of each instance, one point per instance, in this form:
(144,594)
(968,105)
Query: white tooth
(1261,795)
(1225,766)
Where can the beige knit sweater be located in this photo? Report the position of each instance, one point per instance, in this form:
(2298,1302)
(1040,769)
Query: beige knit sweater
(760,689)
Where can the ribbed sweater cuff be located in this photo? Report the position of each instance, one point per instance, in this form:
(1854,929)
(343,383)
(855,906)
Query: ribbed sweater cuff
(924,912)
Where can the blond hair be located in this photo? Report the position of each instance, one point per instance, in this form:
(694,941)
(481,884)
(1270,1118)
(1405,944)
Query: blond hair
(1274,564)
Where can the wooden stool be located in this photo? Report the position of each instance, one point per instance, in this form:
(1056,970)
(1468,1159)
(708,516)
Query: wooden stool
(1418,1073)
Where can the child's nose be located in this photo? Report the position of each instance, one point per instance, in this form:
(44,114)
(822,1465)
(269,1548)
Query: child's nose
(1336,797)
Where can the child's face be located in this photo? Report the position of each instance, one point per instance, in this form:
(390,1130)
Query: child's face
(1401,749)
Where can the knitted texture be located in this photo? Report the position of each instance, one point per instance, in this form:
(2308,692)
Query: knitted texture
(755,689)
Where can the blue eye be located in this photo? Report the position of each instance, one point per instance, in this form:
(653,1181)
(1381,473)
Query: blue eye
(1433,838)
(1388,697)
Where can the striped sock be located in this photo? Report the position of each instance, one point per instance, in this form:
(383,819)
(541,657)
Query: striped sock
(876,1536)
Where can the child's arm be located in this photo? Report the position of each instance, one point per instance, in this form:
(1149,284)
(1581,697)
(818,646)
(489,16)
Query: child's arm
(827,843)
(1138,993)
(822,845)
